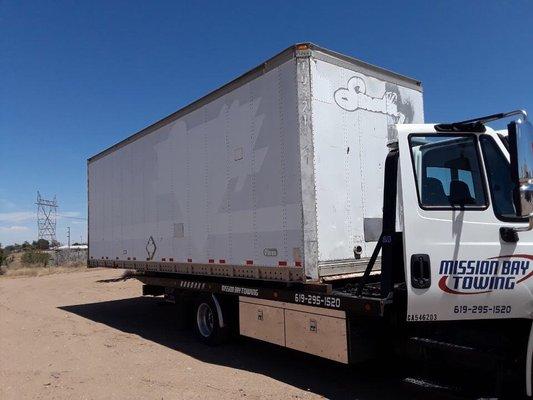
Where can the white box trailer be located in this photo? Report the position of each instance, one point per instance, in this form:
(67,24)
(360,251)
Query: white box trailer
(277,175)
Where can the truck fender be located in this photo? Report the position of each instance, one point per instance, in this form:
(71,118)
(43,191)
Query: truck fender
(219,311)
(529,363)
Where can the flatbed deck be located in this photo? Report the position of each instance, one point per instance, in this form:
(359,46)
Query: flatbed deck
(343,297)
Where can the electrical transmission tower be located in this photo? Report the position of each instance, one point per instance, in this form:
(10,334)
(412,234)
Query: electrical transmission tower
(46,218)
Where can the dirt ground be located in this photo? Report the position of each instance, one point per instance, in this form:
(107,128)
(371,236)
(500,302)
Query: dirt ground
(85,335)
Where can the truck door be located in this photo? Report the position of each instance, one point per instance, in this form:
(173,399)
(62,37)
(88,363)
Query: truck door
(455,194)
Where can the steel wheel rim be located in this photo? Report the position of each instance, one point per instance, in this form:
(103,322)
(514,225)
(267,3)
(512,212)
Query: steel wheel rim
(205,319)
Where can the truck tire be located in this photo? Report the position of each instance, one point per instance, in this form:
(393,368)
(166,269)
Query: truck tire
(207,322)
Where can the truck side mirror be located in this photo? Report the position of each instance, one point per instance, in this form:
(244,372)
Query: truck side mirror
(521,152)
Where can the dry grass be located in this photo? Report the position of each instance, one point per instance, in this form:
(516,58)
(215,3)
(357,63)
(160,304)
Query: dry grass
(17,268)
(12,272)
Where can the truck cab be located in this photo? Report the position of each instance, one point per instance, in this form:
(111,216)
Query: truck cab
(467,245)
(464,213)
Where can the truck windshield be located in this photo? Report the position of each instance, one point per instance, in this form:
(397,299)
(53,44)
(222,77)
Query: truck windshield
(500,181)
(447,171)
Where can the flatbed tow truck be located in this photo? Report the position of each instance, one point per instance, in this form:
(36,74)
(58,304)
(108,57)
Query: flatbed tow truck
(445,279)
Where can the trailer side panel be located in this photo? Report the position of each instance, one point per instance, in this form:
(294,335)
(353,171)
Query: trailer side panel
(218,186)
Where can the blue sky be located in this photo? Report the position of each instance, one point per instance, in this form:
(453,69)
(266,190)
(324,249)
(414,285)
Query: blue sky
(76,77)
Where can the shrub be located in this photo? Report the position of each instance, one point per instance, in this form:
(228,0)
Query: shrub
(42,244)
(35,257)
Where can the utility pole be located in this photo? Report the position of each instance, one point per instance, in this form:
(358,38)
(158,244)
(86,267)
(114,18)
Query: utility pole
(68,235)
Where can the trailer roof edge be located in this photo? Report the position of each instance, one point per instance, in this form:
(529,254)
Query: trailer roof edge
(345,61)
(280,58)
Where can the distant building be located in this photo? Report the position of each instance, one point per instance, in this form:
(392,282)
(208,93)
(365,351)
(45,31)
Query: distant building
(72,247)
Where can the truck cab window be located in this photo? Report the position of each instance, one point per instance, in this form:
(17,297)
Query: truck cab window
(447,171)
(500,182)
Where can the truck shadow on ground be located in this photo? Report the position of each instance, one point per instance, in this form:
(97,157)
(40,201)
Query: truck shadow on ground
(154,320)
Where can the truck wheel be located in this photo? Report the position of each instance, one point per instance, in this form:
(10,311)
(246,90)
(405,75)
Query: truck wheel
(207,323)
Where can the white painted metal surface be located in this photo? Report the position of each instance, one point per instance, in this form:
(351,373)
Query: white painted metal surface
(501,287)
(279,171)
(219,184)
(351,112)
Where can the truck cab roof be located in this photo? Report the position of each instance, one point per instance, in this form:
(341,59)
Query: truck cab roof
(443,129)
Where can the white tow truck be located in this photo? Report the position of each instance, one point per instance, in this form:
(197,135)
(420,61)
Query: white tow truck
(306,204)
